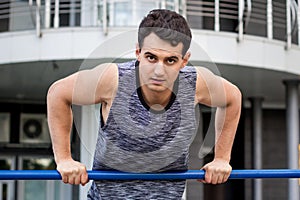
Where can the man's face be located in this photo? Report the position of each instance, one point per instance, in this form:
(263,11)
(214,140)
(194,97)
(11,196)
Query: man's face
(160,63)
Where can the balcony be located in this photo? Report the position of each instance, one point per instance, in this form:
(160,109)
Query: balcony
(56,36)
(82,24)
(276,19)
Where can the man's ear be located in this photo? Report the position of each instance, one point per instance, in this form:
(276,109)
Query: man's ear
(186,58)
(137,51)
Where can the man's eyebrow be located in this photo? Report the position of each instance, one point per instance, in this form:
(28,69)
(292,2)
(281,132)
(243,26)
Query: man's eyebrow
(170,57)
(149,53)
(173,57)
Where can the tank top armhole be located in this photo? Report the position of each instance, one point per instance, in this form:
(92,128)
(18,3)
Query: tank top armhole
(101,117)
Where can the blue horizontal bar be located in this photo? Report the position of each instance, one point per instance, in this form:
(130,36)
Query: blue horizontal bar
(114,175)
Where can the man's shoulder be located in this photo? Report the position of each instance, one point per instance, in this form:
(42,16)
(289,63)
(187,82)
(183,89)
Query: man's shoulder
(188,69)
(115,68)
(128,65)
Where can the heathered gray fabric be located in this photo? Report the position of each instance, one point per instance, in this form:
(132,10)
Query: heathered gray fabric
(138,139)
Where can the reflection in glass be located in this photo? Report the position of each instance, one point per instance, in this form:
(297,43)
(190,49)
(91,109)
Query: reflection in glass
(5,164)
(36,189)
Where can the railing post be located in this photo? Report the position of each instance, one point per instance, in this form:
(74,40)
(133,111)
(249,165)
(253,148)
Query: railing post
(288,25)
(47,13)
(257,156)
(269,20)
(298,20)
(248,15)
(183,4)
(56,14)
(72,16)
(163,4)
(94,13)
(104,17)
(176,6)
(217,15)
(134,12)
(38,18)
(241,24)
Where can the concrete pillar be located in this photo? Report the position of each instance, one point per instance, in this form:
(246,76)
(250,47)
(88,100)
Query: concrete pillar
(292,123)
(256,124)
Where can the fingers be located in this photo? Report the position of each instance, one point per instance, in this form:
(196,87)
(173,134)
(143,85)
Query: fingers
(216,175)
(84,179)
(73,174)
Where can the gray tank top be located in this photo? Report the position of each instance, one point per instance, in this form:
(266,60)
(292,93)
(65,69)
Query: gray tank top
(136,138)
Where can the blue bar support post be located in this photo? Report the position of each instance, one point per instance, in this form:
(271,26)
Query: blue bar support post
(257,159)
(292,124)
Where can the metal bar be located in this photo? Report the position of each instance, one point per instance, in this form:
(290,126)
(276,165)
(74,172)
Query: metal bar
(134,11)
(293,16)
(113,175)
(217,15)
(56,14)
(298,20)
(241,24)
(38,18)
(288,25)
(184,8)
(176,6)
(47,13)
(104,17)
(163,4)
(94,13)
(72,12)
(248,14)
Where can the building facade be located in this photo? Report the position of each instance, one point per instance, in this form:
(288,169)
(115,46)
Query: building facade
(253,43)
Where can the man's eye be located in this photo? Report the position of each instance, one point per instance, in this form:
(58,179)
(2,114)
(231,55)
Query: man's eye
(171,61)
(151,58)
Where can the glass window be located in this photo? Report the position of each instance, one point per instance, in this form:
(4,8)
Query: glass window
(69,13)
(122,14)
(4,15)
(170,4)
(36,189)
(6,186)
(4,127)
(41,189)
(129,12)
(22,16)
(5,164)
(143,7)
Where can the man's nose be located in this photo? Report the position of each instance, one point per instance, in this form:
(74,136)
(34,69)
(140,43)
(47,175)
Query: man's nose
(159,69)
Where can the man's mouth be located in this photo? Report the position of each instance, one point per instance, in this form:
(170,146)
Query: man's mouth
(156,81)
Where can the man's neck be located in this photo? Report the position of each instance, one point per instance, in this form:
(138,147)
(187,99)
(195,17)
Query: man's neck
(156,100)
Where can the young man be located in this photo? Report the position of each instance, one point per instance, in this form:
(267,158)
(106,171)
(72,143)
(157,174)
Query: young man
(147,114)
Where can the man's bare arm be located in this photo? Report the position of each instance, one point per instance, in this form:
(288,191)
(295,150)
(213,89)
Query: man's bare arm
(82,88)
(217,92)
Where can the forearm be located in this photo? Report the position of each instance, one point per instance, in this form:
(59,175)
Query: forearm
(60,123)
(226,123)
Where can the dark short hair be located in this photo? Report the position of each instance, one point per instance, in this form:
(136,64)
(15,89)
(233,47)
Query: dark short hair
(167,25)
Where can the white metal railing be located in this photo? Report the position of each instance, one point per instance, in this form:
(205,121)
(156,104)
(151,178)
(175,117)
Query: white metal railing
(241,20)
(279,18)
